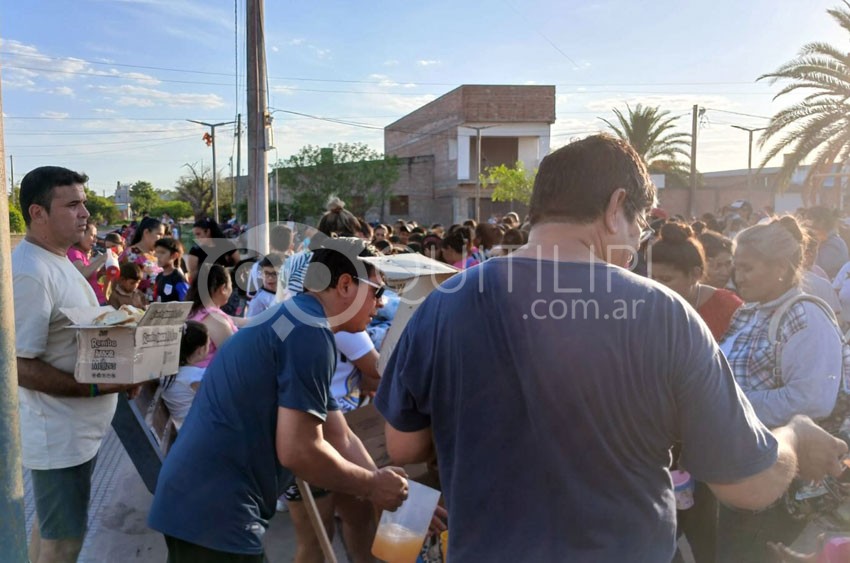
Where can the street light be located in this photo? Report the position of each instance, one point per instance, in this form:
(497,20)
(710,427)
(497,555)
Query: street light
(478,176)
(212,127)
(749,157)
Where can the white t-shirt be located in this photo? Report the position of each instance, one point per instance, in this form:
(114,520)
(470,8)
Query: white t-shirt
(56,432)
(345,385)
(261,301)
(179,395)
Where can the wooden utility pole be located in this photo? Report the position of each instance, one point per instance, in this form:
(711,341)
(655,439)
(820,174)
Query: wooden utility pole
(692,203)
(258,121)
(13,532)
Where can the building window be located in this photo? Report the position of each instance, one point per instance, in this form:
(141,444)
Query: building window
(400,205)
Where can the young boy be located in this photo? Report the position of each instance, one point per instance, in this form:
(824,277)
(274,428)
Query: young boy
(171,284)
(265,298)
(125,291)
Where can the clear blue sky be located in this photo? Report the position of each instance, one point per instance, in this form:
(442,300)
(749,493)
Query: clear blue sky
(105,86)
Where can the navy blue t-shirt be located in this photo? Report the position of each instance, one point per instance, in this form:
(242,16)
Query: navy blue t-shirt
(555,391)
(221,479)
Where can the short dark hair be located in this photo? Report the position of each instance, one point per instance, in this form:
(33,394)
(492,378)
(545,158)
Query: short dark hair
(280,238)
(714,243)
(172,245)
(37,187)
(575,182)
(271,261)
(130,271)
(114,238)
(195,335)
(338,255)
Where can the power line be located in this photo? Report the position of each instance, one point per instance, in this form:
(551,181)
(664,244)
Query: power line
(122,142)
(399,82)
(738,113)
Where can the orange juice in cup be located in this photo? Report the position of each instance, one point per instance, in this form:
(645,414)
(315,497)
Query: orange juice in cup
(396,544)
(401,533)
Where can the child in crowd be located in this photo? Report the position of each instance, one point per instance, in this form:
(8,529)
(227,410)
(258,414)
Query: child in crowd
(178,391)
(114,242)
(171,284)
(126,290)
(265,298)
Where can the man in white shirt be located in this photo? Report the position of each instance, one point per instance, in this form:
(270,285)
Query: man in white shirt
(62,422)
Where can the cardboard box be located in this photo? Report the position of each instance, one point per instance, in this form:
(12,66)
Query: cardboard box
(128,354)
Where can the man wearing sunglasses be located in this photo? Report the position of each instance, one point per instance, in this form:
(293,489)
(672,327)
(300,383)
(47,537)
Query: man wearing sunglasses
(553,382)
(265,413)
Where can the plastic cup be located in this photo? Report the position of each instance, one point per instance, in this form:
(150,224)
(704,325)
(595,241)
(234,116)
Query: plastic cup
(401,533)
(683,487)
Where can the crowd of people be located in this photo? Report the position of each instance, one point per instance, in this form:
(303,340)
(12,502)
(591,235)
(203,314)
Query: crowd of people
(675,348)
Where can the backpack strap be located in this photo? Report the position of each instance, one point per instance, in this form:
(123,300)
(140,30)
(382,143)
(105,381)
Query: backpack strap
(779,314)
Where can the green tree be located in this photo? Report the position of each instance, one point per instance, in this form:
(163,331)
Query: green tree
(143,197)
(357,174)
(651,132)
(176,209)
(102,209)
(511,184)
(16,220)
(195,188)
(816,128)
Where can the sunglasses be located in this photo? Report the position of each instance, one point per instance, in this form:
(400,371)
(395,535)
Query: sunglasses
(379,289)
(646,231)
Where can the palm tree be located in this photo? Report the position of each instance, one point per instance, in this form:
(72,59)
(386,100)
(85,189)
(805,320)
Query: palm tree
(650,131)
(817,127)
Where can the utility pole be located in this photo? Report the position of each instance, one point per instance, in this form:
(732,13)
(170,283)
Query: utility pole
(258,122)
(750,132)
(13,532)
(12,170)
(212,127)
(692,204)
(238,144)
(478,174)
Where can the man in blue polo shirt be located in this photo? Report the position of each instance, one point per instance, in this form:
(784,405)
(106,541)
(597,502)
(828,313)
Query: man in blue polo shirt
(264,412)
(554,382)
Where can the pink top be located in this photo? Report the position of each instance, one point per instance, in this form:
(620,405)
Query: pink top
(464,264)
(199,316)
(74,255)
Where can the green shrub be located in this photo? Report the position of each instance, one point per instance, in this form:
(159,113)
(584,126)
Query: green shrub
(16,221)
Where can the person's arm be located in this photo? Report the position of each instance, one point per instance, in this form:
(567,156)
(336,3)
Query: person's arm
(218,328)
(368,367)
(804,449)
(811,372)
(93,266)
(192,265)
(37,375)
(302,448)
(345,441)
(405,448)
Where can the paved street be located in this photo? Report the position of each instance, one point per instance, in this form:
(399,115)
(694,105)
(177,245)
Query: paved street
(118,514)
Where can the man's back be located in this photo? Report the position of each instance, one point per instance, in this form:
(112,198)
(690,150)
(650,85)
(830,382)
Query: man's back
(553,391)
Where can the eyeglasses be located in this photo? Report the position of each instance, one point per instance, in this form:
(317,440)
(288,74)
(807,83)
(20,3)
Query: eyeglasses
(379,289)
(269,274)
(646,231)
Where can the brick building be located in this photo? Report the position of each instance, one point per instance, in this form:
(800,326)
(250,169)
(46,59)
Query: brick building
(721,188)
(438,148)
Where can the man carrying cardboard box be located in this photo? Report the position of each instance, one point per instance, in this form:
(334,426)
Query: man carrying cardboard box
(62,422)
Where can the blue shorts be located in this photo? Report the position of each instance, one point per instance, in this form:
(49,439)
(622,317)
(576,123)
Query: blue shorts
(62,500)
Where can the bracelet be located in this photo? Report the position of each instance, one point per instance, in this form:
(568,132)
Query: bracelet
(94,391)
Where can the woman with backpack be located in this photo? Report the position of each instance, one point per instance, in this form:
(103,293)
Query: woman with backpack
(785,351)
